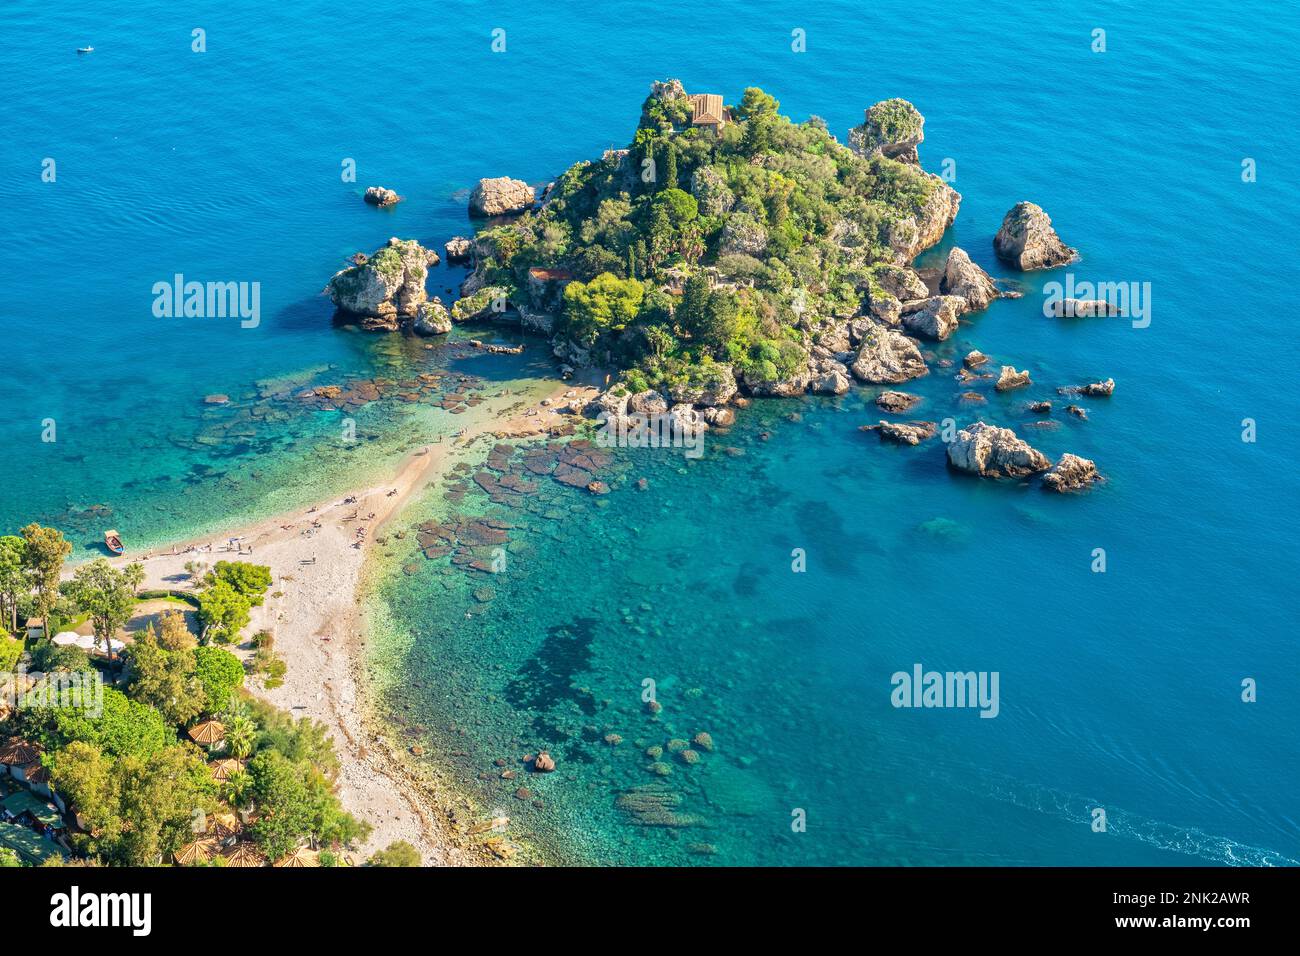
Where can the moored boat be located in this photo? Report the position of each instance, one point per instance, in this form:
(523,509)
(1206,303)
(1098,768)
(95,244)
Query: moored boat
(113,541)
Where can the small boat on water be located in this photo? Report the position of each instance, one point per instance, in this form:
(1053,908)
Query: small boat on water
(113,541)
(85,49)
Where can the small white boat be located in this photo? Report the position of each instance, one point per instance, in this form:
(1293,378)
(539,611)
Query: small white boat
(85,49)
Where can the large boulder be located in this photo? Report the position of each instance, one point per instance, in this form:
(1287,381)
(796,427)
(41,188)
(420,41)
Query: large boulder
(964,278)
(487,303)
(887,357)
(904,433)
(432,318)
(993,452)
(459,249)
(933,318)
(648,403)
(1071,473)
(891,128)
(1009,378)
(743,234)
(379,196)
(1080,308)
(829,377)
(500,197)
(709,187)
(1027,240)
(387,289)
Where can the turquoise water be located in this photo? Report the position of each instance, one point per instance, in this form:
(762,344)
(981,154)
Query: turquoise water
(1118,690)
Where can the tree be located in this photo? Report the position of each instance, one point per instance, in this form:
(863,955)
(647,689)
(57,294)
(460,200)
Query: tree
(48,657)
(223,612)
(605,304)
(250,580)
(241,736)
(14,582)
(105,593)
(173,633)
(220,673)
(680,206)
(755,102)
(10,650)
(397,853)
(669,180)
(284,802)
(134,573)
(163,679)
(44,551)
(124,727)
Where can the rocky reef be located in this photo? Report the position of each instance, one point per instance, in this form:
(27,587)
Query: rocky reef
(992,452)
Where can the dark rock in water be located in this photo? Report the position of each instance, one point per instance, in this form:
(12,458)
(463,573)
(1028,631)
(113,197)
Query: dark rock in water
(1040,408)
(1076,411)
(598,488)
(993,452)
(896,402)
(543,763)
(654,806)
(972,398)
(912,433)
(217,399)
(974,359)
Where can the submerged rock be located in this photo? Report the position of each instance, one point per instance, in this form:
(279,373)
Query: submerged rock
(1071,473)
(992,452)
(1027,240)
(1081,308)
(502,196)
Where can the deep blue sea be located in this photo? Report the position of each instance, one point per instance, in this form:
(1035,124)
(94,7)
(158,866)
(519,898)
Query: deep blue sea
(1119,690)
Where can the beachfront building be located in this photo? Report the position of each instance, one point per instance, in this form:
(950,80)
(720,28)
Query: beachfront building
(17,756)
(707,111)
(30,847)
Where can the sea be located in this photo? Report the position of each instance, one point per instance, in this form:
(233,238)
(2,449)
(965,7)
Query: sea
(711,656)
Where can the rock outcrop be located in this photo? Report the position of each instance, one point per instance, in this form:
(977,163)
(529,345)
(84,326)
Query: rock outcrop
(459,249)
(1092,390)
(717,390)
(896,403)
(1071,473)
(388,289)
(974,359)
(1027,240)
(911,236)
(502,196)
(891,128)
(379,196)
(432,318)
(1010,378)
(887,357)
(963,277)
(933,318)
(992,452)
(1080,308)
(909,433)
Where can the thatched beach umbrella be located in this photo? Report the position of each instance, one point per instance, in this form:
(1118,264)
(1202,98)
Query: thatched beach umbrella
(200,851)
(208,733)
(244,854)
(19,753)
(222,769)
(301,857)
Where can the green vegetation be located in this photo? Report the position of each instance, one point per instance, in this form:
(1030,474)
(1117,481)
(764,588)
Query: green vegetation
(397,853)
(697,246)
(122,759)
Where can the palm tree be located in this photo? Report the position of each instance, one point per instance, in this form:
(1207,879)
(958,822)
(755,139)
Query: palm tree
(240,736)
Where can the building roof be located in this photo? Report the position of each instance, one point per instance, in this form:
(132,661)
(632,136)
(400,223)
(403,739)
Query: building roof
(200,851)
(36,772)
(26,843)
(19,752)
(24,801)
(707,109)
(300,859)
(245,854)
(550,275)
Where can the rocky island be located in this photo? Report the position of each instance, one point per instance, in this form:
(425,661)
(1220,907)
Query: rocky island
(723,255)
